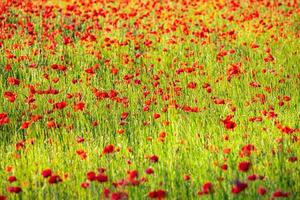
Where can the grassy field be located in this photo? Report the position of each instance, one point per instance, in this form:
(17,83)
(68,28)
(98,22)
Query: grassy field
(149,99)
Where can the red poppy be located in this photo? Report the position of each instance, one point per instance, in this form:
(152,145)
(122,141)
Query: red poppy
(81,153)
(234,70)
(7,67)
(254,46)
(54,179)
(46,173)
(108,149)
(224,167)
(228,123)
(132,175)
(252,177)
(10,96)
(247,150)
(157,194)
(254,84)
(25,125)
(293,159)
(261,191)
(186,177)
(156,115)
(102,178)
(91,176)
(219,101)
(279,193)
(4,119)
(124,115)
(106,192)
(51,124)
(79,106)
(192,85)
(60,105)
(12,179)
(153,158)
(14,189)
(207,188)
(119,196)
(20,145)
(239,187)
(13,81)
(244,166)
(149,170)
(80,140)
(2,197)
(85,185)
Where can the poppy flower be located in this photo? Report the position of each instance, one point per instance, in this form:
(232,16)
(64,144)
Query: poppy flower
(252,177)
(124,115)
(108,149)
(13,81)
(132,175)
(149,170)
(280,194)
(186,177)
(54,179)
(4,119)
(156,115)
(106,192)
(91,176)
(10,96)
(121,131)
(14,189)
(12,179)
(79,106)
(7,67)
(25,125)
(9,168)
(81,153)
(228,123)
(238,187)
(80,140)
(254,46)
(51,124)
(35,118)
(46,173)
(269,58)
(286,98)
(219,101)
(20,145)
(102,178)
(60,105)
(293,159)
(207,188)
(192,85)
(261,191)
(254,84)
(153,158)
(2,197)
(244,166)
(112,94)
(157,194)
(224,167)
(247,150)
(119,196)
(233,70)
(226,151)
(85,185)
